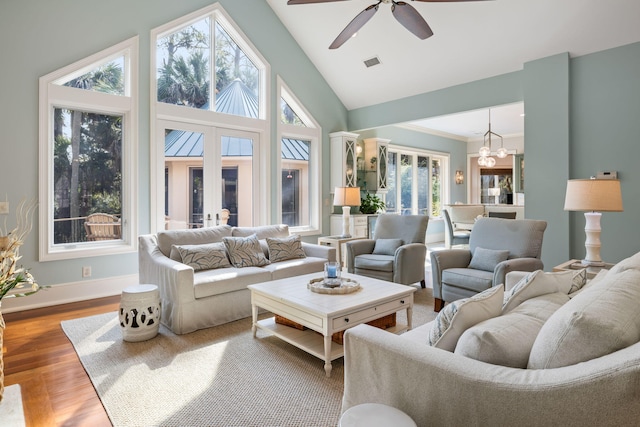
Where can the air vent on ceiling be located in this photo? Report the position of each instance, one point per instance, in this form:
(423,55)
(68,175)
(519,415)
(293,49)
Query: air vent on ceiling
(372,61)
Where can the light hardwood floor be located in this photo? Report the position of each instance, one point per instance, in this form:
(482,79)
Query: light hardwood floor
(56,390)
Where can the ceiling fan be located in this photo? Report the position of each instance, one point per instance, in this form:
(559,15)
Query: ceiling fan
(402,11)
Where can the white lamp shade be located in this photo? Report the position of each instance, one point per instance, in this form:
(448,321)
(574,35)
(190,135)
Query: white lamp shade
(346,196)
(597,195)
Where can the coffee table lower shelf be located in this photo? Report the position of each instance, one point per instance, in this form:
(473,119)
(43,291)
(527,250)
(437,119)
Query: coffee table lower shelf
(309,340)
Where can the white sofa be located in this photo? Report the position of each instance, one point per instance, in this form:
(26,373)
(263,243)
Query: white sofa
(582,360)
(195,299)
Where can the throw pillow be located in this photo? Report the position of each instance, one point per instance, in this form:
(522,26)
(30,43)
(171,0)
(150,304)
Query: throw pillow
(458,316)
(599,320)
(487,259)
(387,246)
(203,257)
(507,340)
(245,251)
(281,249)
(540,283)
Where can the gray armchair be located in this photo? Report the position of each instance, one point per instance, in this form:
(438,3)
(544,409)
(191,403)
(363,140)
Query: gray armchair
(499,246)
(397,252)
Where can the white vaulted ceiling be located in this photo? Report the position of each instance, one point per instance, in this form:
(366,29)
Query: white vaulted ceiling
(472,40)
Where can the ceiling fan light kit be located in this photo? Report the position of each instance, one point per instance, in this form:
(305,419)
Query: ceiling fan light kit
(404,13)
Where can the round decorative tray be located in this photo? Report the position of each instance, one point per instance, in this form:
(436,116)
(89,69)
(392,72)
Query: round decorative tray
(347,286)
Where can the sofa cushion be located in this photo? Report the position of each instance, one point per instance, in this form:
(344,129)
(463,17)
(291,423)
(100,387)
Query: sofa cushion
(599,320)
(283,248)
(468,278)
(207,283)
(202,257)
(262,232)
(245,251)
(535,284)
(601,275)
(458,316)
(506,340)
(487,259)
(296,267)
(193,236)
(386,246)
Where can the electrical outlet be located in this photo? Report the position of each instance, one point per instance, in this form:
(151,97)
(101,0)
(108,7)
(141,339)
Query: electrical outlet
(86,271)
(4,208)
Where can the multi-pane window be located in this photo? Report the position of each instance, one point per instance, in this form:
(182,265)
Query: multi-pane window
(88,112)
(299,165)
(415,182)
(209,106)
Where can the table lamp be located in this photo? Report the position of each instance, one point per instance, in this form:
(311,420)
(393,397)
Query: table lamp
(591,195)
(346,197)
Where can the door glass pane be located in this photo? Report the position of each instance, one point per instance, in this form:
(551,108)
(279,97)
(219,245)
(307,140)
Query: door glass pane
(436,195)
(392,194)
(423,185)
(406,183)
(237,194)
(184,185)
(196,198)
(87,175)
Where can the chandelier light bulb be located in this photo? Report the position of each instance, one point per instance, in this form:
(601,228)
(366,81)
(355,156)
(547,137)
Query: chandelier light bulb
(501,153)
(482,161)
(491,162)
(485,151)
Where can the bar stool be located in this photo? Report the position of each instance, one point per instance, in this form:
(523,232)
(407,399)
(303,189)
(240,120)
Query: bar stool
(375,415)
(140,312)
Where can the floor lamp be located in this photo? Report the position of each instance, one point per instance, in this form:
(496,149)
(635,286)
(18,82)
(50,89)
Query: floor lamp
(346,197)
(591,195)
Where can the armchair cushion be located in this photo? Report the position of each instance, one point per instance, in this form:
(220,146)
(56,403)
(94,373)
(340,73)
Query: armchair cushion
(374,262)
(487,259)
(468,278)
(284,248)
(387,246)
(245,251)
(202,257)
(457,317)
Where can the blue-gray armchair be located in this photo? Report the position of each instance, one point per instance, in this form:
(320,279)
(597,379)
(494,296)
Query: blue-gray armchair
(496,247)
(397,252)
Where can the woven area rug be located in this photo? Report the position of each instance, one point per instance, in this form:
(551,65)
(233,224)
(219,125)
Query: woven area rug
(219,376)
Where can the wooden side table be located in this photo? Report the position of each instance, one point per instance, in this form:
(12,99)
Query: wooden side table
(337,242)
(576,264)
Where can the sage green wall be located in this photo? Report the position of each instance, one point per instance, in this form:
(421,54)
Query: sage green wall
(546,130)
(40,37)
(582,116)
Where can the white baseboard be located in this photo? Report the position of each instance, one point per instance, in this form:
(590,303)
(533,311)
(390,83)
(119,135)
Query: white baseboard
(70,292)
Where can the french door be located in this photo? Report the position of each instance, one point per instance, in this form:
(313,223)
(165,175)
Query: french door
(210,175)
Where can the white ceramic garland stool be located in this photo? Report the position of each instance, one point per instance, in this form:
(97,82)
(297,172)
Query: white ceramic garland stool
(140,312)
(375,415)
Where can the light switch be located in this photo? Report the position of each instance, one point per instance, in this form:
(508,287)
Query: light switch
(4,208)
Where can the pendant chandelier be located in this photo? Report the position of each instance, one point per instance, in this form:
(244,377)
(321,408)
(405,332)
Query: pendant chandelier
(485,158)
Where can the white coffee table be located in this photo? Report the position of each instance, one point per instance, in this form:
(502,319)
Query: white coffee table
(325,313)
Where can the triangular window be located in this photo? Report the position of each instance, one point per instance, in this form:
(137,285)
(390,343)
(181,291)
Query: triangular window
(108,77)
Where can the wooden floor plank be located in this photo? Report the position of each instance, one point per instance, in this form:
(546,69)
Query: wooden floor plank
(56,390)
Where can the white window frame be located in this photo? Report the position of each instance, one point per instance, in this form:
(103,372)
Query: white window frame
(444,175)
(186,115)
(54,95)
(312,132)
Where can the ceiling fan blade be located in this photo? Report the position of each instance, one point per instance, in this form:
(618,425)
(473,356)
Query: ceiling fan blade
(310,1)
(354,26)
(411,19)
